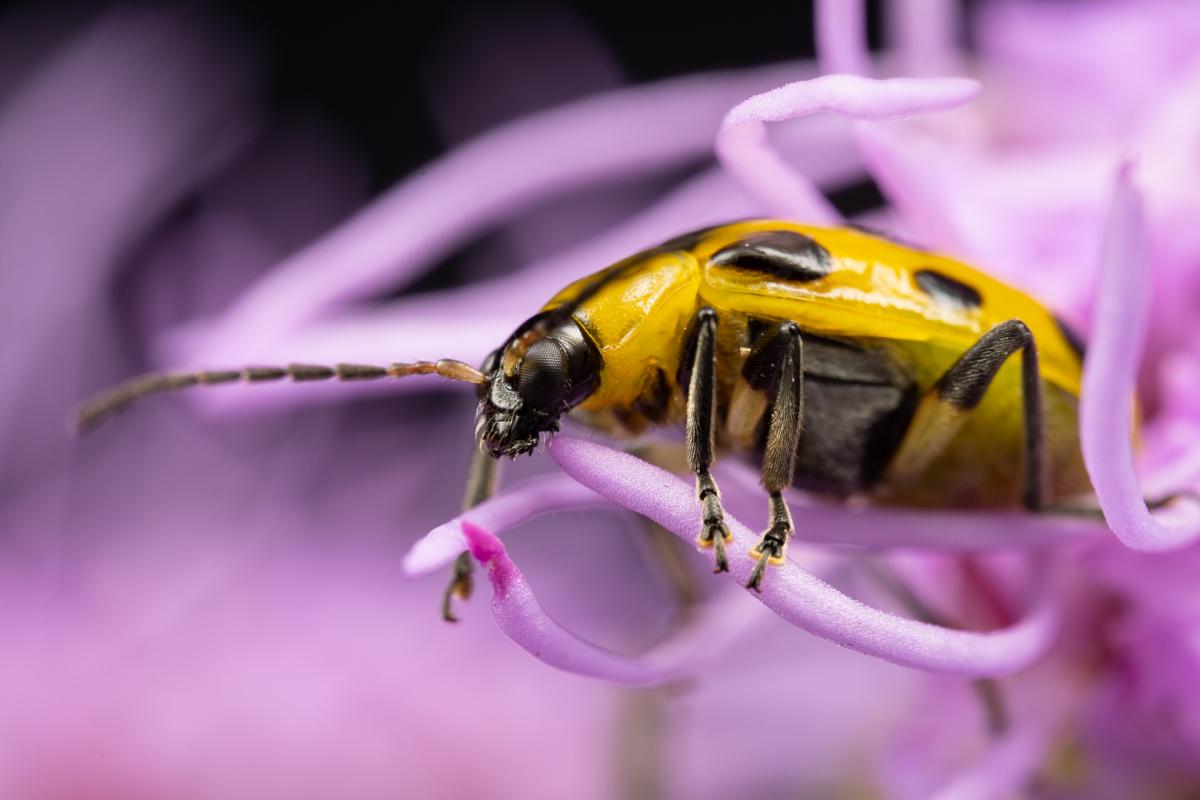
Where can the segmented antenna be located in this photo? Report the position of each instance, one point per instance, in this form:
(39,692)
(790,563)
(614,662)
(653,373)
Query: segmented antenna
(97,410)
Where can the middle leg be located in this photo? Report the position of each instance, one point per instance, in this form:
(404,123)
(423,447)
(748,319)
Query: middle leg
(778,356)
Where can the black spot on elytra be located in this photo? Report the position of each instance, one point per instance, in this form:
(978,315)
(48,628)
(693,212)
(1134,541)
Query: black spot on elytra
(947,290)
(781,254)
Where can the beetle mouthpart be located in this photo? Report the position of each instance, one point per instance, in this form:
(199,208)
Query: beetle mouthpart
(505,434)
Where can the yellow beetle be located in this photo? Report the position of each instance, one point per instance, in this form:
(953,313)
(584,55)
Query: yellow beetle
(841,361)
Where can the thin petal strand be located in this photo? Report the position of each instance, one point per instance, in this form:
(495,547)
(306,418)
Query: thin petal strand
(743,147)
(517,505)
(925,34)
(805,600)
(523,620)
(951,531)
(1106,408)
(841,37)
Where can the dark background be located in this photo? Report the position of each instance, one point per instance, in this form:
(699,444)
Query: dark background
(337,61)
(364,70)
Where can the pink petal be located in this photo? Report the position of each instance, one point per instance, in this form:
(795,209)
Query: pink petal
(1171,462)
(825,524)
(841,37)
(516,505)
(104,136)
(522,619)
(925,32)
(1003,771)
(743,147)
(805,600)
(1106,409)
(918,193)
(1029,217)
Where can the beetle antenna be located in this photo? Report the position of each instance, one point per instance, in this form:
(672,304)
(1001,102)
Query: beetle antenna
(99,408)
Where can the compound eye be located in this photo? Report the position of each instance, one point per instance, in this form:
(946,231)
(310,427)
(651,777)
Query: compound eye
(544,375)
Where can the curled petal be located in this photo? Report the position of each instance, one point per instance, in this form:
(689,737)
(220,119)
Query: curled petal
(744,150)
(1003,771)
(1106,408)
(841,37)
(824,525)
(803,599)
(517,505)
(522,619)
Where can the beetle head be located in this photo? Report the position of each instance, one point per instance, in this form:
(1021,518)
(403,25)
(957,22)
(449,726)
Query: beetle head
(554,373)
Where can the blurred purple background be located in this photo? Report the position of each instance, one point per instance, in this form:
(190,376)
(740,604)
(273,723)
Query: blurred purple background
(206,600)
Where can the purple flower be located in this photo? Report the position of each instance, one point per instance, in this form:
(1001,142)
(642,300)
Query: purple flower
(214,607)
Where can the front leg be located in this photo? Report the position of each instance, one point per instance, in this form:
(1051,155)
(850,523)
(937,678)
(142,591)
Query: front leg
(777,361)
(481,484)
(698,374)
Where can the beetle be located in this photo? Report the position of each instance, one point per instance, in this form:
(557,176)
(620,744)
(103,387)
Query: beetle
(841,361)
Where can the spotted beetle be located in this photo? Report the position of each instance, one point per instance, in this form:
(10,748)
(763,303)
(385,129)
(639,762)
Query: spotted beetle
(841,361)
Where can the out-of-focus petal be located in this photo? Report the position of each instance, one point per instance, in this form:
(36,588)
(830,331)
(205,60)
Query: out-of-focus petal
(925,34)
(516,505)
(100,141)
(465,323)
(1078,72)
(596,140)
(1028,218)
(841,37)
(803,599)
(743,147)
(1003,771)
(522,619)
(1106,408)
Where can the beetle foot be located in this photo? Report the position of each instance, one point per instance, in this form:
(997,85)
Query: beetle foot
(771,549)
(460,586)
(714,532)
(716,535)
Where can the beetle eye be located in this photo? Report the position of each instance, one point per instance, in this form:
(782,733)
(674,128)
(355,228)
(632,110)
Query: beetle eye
(544,378)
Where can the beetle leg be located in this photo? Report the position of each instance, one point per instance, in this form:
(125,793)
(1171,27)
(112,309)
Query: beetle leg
(959,391)
(481,484)
(701,432)
(784,350)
